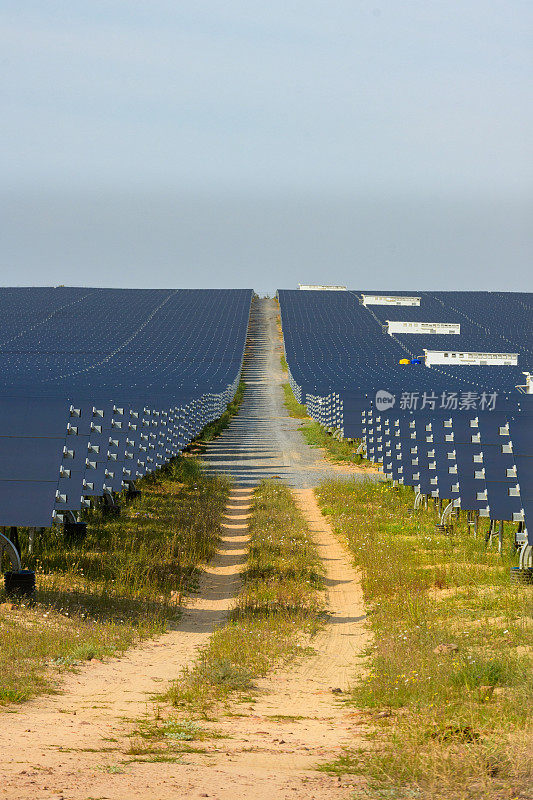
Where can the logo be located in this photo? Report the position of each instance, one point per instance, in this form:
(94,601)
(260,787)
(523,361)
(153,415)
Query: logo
(384,400)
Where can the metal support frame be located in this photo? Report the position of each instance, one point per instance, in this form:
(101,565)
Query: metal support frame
(421,501)
(7,546)
(473,521)
(520,537)
(131,490)
(110,506)
(525,560)
(108,498)
(447,513)
(490,532)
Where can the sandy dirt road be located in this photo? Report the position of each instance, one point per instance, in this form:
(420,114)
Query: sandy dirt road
(74,745)
(262,440)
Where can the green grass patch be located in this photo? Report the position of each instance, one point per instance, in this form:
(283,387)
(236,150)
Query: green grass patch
(215,428)
(122,584)
(164,740)
(277,611)
(292,405)
(339,451)
(450,677)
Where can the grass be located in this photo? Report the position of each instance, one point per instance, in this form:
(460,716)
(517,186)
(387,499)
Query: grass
(335,450)
(215,428)
(450,678)
(295,409)
(339,451)
(276,612)
(122,584)
(159,739)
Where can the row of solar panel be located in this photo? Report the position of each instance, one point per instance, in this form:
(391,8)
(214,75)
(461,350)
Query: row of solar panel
(482,461)
(60,447)
(120,340)
(471,445)
(332,341)
(85,451)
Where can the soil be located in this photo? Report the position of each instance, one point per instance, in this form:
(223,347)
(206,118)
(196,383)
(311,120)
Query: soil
(74,745)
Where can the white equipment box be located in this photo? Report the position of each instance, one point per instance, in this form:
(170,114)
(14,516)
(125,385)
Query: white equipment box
(400,326)
(389,300)
(451,358)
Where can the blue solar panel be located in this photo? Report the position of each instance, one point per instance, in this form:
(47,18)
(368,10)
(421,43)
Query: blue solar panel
(460,432)
(101,386)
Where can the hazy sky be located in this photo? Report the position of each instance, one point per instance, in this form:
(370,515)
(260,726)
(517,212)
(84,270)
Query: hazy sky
(164,143)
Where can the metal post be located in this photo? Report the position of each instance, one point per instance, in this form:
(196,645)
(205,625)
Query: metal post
(488,535)
(500,537)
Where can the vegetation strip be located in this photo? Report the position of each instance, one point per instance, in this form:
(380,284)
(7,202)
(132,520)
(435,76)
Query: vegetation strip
(276,611)
(215,428)
(450,682)
(123,583)
(339,451)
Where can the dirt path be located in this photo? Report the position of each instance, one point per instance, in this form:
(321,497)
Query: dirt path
(45,745)
(299,719)
(74,746)
(262,440)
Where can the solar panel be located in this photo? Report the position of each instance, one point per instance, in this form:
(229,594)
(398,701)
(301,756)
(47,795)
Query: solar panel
(102,386)
(456,432)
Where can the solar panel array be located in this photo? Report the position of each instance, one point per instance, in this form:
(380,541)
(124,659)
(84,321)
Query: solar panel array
(99,387)
(463,433)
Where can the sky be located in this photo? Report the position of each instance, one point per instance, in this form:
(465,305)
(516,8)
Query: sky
(243,143)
